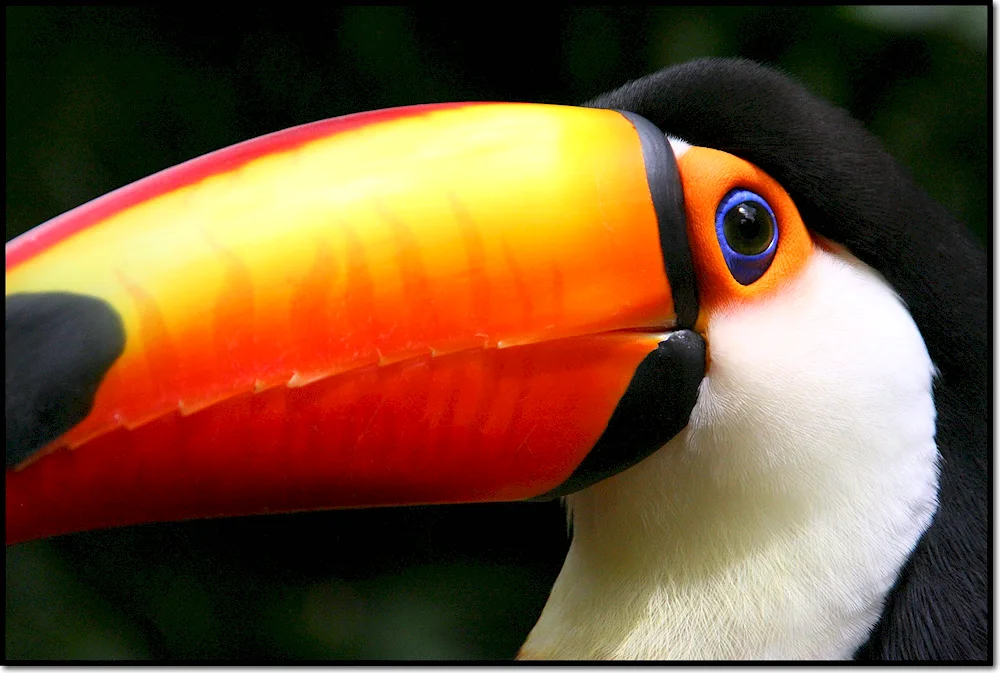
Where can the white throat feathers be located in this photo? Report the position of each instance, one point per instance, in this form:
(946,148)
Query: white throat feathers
(775,523)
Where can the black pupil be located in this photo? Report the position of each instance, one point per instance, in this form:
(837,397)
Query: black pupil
(748,228)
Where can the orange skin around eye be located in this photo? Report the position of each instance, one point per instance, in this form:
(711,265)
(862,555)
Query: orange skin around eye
(708,175)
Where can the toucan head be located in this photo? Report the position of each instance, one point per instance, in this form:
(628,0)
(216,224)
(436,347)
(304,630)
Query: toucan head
(687,306)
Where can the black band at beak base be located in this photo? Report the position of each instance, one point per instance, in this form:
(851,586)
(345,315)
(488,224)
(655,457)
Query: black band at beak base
(656,406)
(658,401)
(668,202)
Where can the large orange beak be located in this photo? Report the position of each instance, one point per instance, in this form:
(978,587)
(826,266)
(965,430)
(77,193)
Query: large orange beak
(446,303)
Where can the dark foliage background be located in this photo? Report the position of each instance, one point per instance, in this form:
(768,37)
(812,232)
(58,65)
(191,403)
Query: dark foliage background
(99,97)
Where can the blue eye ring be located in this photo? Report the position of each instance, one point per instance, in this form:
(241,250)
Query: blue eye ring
(746,268)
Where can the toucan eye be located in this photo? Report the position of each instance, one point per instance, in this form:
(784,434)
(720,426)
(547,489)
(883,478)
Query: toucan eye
(747,234)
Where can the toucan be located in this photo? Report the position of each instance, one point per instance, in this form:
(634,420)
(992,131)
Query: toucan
(707,309)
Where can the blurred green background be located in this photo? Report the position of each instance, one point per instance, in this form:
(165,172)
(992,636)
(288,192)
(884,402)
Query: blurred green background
(98,97)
